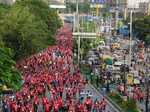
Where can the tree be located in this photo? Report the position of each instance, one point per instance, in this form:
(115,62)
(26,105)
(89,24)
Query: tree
(4,8)
(84,7)
(85,45)
(8,75)
(71,7)
(43,12)
(21,32)
(141,29)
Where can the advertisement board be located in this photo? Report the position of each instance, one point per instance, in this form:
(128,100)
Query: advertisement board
(129,79)
(98,1)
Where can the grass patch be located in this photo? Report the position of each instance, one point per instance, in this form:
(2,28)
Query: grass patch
(126,106)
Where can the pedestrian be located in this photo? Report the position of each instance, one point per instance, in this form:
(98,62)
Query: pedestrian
(141,96)
(104,91)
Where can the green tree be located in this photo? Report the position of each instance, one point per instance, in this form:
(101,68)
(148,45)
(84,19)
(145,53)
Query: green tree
(71,7)
(141,29)
(4,8)
(84,7)
(21,32)
(85,45)
(8,75)
(43,12)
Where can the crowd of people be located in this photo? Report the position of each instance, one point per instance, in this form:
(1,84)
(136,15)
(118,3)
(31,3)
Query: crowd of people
(52,83)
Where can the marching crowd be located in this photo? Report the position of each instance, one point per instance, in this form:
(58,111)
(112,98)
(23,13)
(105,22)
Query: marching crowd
(52,83)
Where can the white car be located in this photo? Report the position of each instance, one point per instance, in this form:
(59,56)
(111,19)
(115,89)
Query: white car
(136,81)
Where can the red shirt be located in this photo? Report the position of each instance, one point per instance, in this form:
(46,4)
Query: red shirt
(23,109)
(44,101)
(56,107)
(84,109)
(32,93)
(47,106)
(79,109)
(15,108)
(37,101)
(71,109)
(90,101)
(31,109)
(4,99)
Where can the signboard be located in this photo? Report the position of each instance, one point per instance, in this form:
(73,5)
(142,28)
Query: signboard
(57,6)
(98,1)
(112,9)
(129,79)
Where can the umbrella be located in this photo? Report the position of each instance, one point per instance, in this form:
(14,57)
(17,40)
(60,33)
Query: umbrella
(108,61)
(107,56)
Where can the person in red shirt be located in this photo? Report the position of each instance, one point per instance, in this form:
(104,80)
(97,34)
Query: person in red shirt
(4,100)
(104,101)
(141,96)
(23,109)
(44,101)
(100,107)
(79,108)
(56,107)
(47,108)
(71,108)
(89,103)
(85,108)
(36,103)
(74,90)
(32,93)
(30,109)
(15,108)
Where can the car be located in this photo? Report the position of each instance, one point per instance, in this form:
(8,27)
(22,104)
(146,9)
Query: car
(83,62)
(136,81)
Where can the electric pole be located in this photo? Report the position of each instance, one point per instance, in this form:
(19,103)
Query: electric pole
(125,9)
(116,13)
(77,22)
(130,42)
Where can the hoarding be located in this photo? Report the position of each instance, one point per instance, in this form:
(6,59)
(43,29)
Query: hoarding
(98,1)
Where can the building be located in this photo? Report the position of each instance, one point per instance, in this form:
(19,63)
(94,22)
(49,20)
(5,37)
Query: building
(56,4)
(135,3)
(113,3)
(7,1)
(144,7)
(74,1)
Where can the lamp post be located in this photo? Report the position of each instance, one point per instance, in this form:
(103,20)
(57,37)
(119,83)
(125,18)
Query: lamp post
(77,22)
(124,70)
(130,42)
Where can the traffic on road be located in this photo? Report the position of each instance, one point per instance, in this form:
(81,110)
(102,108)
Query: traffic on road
(115,71)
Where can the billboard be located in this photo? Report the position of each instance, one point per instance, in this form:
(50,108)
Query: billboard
(129,79)
(98,1)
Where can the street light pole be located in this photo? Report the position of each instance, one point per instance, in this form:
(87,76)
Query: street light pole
(116,13)
(124,75)
(77,14)
(130,39)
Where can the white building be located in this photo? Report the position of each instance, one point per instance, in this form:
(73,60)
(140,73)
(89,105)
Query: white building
(7,1)
(135,3)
